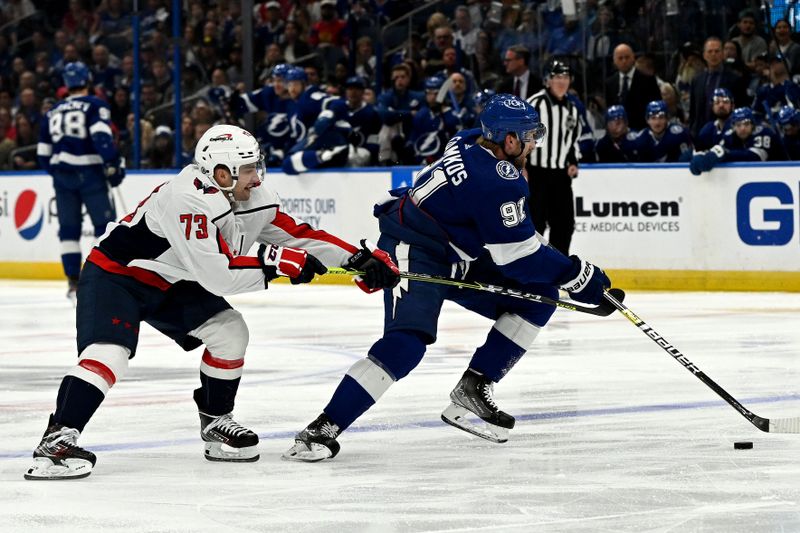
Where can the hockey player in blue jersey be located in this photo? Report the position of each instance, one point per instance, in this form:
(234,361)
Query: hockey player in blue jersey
(273,100)
(76,148)
(789,121)
(465,216)
(364,121)
(661,142)
(320,127)
(616,146)
(586,140)
(432,126)
(711,134)
(745,141)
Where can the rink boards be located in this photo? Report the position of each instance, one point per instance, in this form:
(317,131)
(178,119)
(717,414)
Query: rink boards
(651,227)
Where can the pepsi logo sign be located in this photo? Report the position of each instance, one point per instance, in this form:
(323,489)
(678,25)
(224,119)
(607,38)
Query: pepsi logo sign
(28,215)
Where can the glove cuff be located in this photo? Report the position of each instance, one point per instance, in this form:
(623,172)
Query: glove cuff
(580,273)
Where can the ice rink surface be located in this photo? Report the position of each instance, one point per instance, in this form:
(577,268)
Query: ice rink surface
(612,434)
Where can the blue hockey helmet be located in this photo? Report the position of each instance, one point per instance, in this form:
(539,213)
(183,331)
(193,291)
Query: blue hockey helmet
(356,82)
(280,70)
(296,74)
(788,116)
(76,74)
(433,83)
(506,114)
(656,108)
(483,96)
(721,93)
(741,114)
(616,112)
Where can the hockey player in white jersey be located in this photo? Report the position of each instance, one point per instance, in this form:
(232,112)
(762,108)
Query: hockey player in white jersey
(168,264)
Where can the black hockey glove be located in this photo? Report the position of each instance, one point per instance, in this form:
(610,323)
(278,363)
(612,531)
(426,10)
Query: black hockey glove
(296,264)
(380,272)
(116,173)
(585,282)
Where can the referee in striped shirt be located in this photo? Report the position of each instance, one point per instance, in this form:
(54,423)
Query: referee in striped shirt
(552,167)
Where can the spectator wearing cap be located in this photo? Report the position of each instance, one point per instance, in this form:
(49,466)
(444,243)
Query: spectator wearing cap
(163,151)
(779,92)
(616,146)
(711,134)
(785,45)
(271,27)
(789,122)
(397,107)
(752,44)
(364,121)
(519,80)
(705,83)
(629,87)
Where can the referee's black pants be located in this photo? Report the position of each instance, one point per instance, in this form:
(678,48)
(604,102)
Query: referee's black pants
(551,204)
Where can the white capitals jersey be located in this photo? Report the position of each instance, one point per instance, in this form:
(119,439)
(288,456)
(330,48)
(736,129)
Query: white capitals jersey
(186,229)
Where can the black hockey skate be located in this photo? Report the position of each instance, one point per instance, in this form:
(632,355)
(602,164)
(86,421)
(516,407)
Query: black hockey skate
(474,394)
(59,457)
(227,440)
(316,442)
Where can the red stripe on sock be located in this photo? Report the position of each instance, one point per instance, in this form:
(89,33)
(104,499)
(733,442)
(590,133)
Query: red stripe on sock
(100,369)
(224,364)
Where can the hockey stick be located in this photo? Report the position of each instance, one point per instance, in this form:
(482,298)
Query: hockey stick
(601,310)
(117,195)
(777,425)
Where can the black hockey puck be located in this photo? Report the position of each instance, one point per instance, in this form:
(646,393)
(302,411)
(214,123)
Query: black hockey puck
(742,445)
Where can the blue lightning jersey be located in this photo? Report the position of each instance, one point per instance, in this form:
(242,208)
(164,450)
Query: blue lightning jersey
(469,203)
(711,134)
(366,124)
(430,131)
(77,134)
(674,145)
(305,112)
(762,145)
(273,133)
(770,98)
(608,150)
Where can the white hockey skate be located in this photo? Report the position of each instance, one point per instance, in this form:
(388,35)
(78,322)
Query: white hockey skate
(473,395)
(227,440)
(315,443)
(59,457)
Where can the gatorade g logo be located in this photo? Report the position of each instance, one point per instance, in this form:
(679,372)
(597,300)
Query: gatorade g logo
(765,213)
(28,215)
(222,137)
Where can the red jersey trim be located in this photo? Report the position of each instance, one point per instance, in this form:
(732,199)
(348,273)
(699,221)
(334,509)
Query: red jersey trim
(139,274)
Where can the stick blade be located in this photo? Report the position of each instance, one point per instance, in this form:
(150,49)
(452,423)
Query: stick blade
(784,425)
(607,307)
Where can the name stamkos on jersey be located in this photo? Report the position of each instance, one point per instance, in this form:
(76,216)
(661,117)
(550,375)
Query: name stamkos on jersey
(506,170)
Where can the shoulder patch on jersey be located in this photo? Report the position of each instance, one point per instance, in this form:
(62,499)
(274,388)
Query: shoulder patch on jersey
(105,113)
(631,135)
(205,188)
(506,170)
(677,129)
(758,129)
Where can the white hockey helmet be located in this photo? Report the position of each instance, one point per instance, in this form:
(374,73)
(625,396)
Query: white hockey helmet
(228,146)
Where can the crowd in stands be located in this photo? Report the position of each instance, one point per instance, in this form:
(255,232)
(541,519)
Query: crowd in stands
(647,79)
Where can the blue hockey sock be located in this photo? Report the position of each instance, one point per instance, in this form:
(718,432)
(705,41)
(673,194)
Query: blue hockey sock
(497,356)
(72,265)
(76,402)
